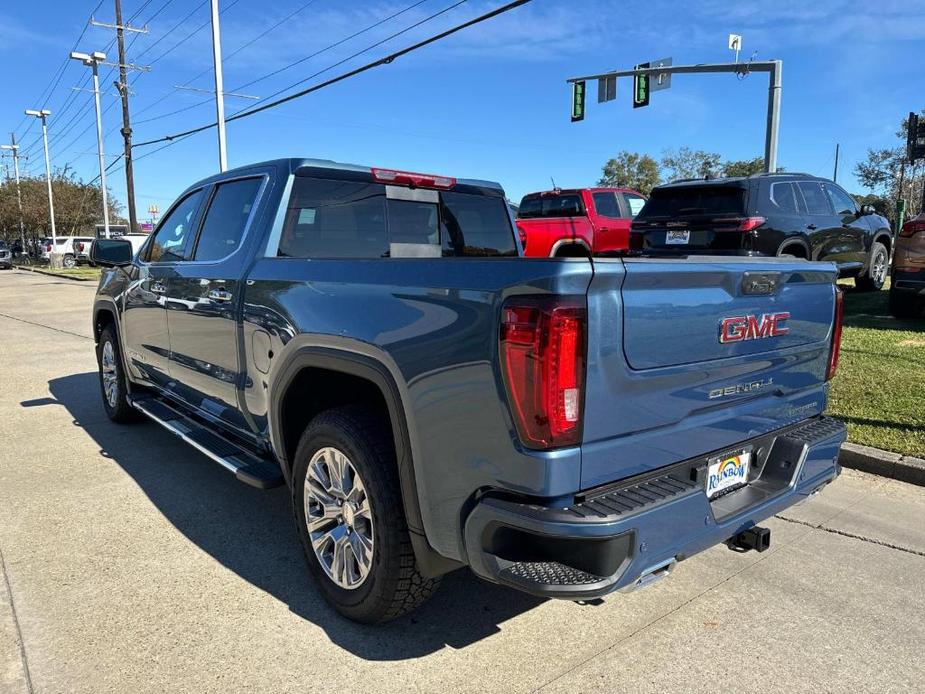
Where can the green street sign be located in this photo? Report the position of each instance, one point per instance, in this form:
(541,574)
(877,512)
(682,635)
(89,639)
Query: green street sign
(578,101)
(640,87)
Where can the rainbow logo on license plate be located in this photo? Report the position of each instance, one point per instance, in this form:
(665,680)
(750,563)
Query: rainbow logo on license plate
(728,473)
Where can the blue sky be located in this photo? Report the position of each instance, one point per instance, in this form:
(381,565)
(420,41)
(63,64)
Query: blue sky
(490,102)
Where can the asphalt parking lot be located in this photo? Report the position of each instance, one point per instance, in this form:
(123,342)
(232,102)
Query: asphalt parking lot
(131,563)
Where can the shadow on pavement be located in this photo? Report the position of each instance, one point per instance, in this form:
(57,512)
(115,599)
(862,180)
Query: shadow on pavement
(251,533)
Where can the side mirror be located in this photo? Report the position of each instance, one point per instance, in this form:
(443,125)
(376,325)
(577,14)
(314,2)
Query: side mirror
(867,209)
(111,252)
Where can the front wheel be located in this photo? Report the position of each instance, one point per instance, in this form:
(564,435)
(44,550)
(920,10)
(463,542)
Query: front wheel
(349,514)
(112,378)
(876,272)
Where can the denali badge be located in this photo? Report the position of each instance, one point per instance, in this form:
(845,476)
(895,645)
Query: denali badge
(740,388)
(741,328)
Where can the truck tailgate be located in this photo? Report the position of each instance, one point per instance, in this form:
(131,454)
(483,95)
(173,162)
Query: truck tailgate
(694,355)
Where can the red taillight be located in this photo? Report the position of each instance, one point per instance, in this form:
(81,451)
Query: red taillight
(835,350)
(80,247)
(750,223)
(912,227)
(543,360)
(413,179)
(523,237)
(48,247)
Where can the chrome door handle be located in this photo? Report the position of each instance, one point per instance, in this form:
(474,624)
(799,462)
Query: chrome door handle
(219,295)
(158,288)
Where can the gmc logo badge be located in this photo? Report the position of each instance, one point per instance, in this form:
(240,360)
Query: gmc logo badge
(741,328)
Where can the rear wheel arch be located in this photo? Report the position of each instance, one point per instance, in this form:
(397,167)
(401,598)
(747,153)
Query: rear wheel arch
(886,239)
(798,248)
(570,248)
(310,367)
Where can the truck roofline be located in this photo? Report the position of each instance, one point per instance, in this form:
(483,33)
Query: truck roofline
(292,165)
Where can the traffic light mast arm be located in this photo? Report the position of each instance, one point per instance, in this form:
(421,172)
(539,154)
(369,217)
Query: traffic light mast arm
(742,68)
(773,67)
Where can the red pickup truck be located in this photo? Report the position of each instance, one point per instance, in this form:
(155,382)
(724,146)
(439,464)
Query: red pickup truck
(578,222)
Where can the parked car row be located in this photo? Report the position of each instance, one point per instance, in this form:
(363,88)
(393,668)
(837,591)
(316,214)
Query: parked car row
(787,214)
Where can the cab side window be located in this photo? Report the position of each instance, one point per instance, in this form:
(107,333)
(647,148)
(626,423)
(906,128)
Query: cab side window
(815,198)
(606,205)
(170,241)
(634,203)
(842,202)
(226,219)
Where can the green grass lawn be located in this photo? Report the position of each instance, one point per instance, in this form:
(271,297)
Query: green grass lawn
(879,390)
(80,272)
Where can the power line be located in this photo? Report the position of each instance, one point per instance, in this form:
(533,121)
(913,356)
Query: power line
(228,57)
(329,47)
(364,68)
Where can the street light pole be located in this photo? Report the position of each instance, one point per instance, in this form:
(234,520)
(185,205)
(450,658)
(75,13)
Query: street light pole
(15,148)
(43,115)
(93,61)
(219,87)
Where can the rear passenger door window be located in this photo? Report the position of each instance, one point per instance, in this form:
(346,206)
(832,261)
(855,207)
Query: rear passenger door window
(226,219)
(606,204)
(817,202)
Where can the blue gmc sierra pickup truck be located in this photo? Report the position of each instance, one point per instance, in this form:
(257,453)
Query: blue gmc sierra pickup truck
(375,341)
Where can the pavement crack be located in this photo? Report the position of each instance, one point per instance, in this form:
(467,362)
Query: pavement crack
(22,644)
(854,536)
(42,325)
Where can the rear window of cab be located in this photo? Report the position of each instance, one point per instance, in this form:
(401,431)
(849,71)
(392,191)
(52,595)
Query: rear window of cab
(540,206)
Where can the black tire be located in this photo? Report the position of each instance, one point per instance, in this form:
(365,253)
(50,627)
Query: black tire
(875,277)
(393,585)
(69,261)
(905,304)
(117,409)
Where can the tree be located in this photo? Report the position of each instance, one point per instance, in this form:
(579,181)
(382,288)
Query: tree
(891,176)
(743,167)
(78,207)
(685,162)
(631,170)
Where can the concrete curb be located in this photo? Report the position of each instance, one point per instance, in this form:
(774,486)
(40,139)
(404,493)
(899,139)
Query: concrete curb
(905,468)
(54,274)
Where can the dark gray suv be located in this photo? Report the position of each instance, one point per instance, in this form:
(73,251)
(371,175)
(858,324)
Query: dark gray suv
(767,214)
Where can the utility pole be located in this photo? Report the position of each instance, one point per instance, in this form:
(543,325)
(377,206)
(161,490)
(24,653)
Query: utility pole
(54,258)
(835,174)
(93,61)
(122,86)
(15,148)
(219,87)
(772,67)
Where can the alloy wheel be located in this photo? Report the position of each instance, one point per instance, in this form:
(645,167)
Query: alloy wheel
(338,518)
(110,374)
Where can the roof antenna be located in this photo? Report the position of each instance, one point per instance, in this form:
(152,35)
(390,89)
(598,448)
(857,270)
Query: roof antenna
(554,186)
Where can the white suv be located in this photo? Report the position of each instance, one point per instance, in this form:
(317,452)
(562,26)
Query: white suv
(74,249)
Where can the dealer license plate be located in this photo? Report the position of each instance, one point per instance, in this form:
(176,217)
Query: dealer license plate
(677,236)
(727,472)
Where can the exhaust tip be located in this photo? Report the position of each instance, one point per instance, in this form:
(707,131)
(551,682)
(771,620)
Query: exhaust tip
(756,538)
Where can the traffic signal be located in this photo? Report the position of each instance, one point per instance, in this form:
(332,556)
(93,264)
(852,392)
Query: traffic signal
(578,101)
(915,138)
(640,87)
